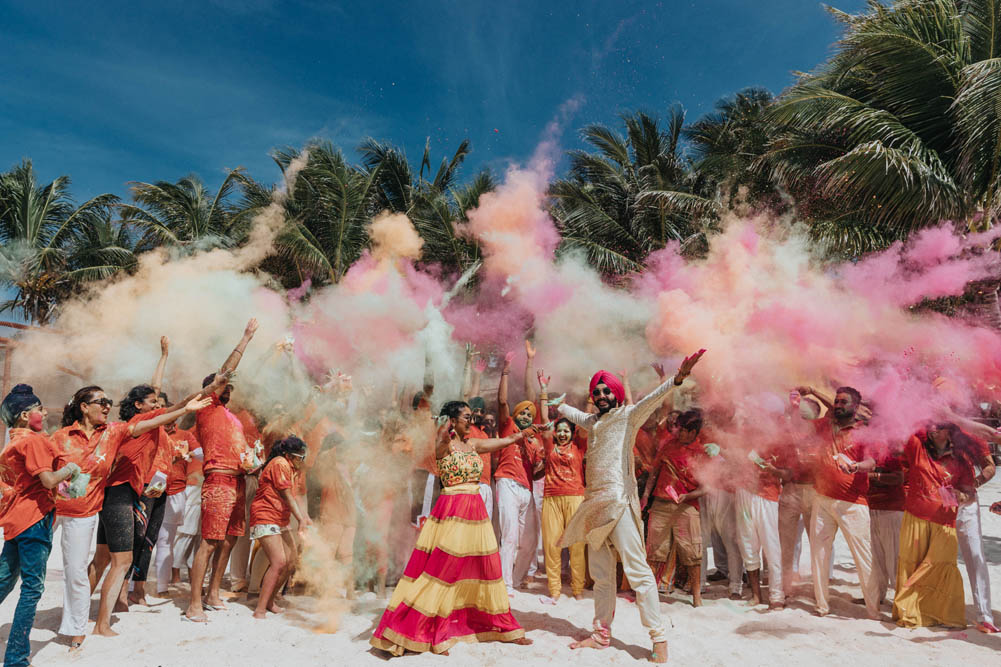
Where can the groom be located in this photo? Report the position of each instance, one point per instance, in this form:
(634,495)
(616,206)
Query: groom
(610,514)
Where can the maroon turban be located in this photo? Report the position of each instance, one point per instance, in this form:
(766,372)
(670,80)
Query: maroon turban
(612,382)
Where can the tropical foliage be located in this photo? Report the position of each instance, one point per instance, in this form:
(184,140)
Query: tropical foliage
(899,129)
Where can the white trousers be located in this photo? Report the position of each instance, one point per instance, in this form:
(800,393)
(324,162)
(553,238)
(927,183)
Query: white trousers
(173,516)
(519,530)
(853,519)
(186,541)
(627,539)
(538,563)
(487,493)
(76,541)
(757,531)
(717,513)
(972,547)
(884,531)
(795,509)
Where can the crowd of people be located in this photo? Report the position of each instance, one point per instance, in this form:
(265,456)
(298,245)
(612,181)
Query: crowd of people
(460,506)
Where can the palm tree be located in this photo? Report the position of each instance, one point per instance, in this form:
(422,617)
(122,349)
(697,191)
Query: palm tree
(633,195)
(48,243)
(728,145)
(327,213)
(436,206)
(901,128)
(185,214)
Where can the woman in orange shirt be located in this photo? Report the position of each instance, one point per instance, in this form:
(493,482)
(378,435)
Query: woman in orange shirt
(562,495)
(89,440)
(133,464)
(28,467)
(270,515)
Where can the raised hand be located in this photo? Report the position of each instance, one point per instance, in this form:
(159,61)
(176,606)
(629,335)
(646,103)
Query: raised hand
(251,328)
(480,365)
(529,349)
(686,366)
(543,379)
(164,345)
(507,361)
(219,382)
(659,370)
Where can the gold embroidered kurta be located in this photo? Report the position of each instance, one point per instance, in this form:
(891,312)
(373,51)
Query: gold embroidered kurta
(610,477)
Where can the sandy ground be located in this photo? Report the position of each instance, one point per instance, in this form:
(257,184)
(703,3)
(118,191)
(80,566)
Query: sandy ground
(720,633)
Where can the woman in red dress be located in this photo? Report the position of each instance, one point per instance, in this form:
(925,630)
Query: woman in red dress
(452,589)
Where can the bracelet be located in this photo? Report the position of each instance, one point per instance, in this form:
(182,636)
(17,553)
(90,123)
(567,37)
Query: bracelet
(505,372)
(238,351)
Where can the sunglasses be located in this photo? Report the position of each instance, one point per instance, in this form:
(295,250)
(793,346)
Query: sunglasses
(301,457)
(598,391)
(103,402)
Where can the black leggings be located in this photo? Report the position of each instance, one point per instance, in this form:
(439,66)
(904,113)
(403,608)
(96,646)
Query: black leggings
(116,526)
(145,536)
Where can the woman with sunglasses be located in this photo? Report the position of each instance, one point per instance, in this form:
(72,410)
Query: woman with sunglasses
(270,515)
(90,441)
(124,519)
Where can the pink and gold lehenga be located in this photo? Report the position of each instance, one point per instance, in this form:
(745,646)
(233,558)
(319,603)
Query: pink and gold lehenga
(451,590)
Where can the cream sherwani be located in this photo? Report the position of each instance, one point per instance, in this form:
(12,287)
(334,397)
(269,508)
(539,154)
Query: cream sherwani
(610,514)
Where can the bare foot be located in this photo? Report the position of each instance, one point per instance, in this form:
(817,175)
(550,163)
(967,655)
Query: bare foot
(578,596)
(774,606)
(76,642)
(555,598)
(754,601)
(735,596)
(587,643)
(239,587)
(104,630)
(696,601)
(659,652)
(275,609)
(260,614)
(161,595)
(141,600)
(195,614)
(214,603)
(120,607)
(523,641)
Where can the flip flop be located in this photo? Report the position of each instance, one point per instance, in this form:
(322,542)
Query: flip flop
(188,619)
(212,607)
(75,645)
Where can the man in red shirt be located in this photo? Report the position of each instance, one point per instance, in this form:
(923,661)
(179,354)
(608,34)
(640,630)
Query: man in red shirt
(29,474)
(515,504)
(227,460)
(756,503)
(842,484)
(674,516)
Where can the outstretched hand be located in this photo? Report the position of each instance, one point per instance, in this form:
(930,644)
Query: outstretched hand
(687,365)
(220,381)
(197,403)
(480,366)
(164,345)
(507,360)
(659,370)
(529,349)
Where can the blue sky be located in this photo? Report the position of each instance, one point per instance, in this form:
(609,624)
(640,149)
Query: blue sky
(108,92)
